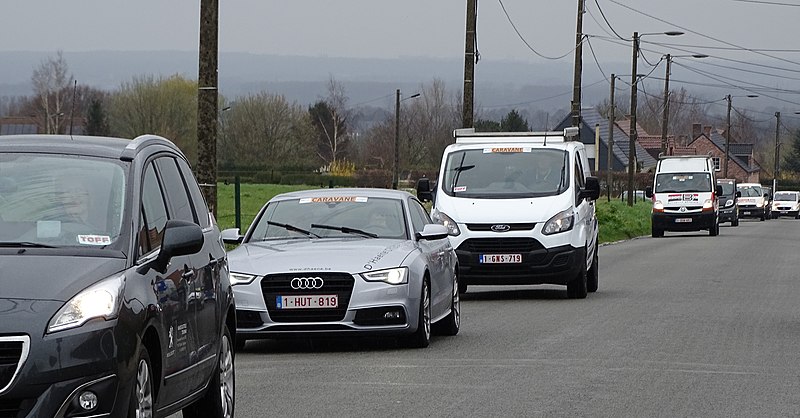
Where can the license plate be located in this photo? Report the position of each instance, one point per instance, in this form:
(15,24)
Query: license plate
(683,220)
(307,301)
(783,212)
(745,213)
(500,258)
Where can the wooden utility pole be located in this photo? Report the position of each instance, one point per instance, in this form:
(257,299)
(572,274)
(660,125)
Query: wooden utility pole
(632,139)
(396,165)
(665,119)
(610,163)
(777,146)
(576,85)
(207,102)
(727,139)
(469,64)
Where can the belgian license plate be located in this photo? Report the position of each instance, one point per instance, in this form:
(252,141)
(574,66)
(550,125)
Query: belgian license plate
(745,213)
(783,212)
(683,220)
(307,301)
(500,258)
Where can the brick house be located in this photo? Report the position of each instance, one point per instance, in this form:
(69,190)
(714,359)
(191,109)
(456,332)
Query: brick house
(741,163)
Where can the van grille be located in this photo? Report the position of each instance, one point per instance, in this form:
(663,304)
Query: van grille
(500,245)
(511,227)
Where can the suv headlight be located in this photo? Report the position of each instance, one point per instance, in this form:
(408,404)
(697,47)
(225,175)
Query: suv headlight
(100,300)
(561,222)
(442,218)
(241,278)
(391,276)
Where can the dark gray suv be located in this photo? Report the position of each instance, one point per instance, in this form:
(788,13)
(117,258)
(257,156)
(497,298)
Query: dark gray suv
(116,299)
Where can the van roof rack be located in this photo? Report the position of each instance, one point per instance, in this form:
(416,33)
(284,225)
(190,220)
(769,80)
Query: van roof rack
(469,136)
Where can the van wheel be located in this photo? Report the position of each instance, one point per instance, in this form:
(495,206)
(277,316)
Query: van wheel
(657,233)
(576,289)
(218,400)
(763,217)
(141,403)
(735,222)
(714,230)
(593,274)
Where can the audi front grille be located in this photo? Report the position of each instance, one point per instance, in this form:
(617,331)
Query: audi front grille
(13,352)
(339,284)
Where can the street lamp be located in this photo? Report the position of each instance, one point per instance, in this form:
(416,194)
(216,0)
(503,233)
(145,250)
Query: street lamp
(396,168)
(632,139)
(666,98)
(728,133)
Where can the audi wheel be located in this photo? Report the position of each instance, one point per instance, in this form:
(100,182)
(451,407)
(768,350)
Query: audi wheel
(450,324)
(421,338)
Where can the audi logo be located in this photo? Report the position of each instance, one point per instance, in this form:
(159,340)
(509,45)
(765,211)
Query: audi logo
(501,228)
(306,283)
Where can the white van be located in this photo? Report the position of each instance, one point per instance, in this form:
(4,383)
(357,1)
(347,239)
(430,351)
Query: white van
(754,202)
(685,195)
(519,208)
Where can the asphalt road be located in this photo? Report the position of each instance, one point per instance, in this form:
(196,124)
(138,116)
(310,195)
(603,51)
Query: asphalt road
(686,325)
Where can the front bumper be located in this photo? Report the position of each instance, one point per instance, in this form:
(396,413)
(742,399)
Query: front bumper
(61,366)
(364,308)
(687,221)
(729,214)
(751,211)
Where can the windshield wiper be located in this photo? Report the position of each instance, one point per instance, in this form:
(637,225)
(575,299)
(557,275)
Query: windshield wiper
(461,167)
(25,244)
(293,228)
(346,230)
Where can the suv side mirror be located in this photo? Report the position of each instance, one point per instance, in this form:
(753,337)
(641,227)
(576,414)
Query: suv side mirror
(180,238)
(424,193)
(592,189)
(718,191)
(648,191)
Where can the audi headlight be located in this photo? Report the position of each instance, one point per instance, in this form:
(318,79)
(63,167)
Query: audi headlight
(561,222)
(241,278)
(728,203)
(391,276)
(442,218)
(101,300)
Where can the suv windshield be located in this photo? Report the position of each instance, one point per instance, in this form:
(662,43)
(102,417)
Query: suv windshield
(509,172)
(332,216)
(60,200)
(683,182)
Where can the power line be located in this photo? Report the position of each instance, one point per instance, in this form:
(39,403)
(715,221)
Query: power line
(607,22)
(726,48)
(763,87)
(526,42)
(701,34)
(768,2)
(543,98)
(739,87)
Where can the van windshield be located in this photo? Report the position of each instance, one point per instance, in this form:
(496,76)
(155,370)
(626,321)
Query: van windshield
(786,197)
(750,191)
(683,182)
(506,172)
(727,188)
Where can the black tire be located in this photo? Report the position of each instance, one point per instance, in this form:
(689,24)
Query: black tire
(219,399)
(462,287)
(421,338)
(763,217)
(142,400)
(593,275)
(735,222)
(714,230)
(450,324)
(657,233)
(240,343)
(576,289)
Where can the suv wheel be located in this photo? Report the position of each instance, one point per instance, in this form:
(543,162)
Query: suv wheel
(218,401)
(141,403)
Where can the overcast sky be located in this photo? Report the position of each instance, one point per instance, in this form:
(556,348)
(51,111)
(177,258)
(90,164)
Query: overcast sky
(427,28)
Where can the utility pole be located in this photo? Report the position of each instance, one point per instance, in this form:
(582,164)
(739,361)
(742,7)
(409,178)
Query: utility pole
(576,86)
(469,64)
(777,147)
(207,102)
(610,162)
(632,139)
(727,139)
(396,168)
(666,108)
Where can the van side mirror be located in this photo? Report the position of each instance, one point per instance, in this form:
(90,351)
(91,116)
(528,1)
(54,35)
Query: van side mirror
(766,196)
(592,189)
(738,194)
(180,238)
(648,191)
(718,191)
(424,193)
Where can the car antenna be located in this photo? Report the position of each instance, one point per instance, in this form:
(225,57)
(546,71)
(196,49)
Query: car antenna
(72,109)
(546,122)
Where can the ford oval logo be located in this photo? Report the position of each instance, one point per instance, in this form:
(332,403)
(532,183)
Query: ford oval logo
(501,228)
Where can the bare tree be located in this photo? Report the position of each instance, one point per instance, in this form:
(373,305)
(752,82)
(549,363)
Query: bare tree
(330,117)
(51,83)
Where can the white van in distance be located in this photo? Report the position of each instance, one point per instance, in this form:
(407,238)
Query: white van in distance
(519,207)
(685,195)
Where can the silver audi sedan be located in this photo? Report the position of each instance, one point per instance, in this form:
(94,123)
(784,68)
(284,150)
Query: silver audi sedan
(344,261)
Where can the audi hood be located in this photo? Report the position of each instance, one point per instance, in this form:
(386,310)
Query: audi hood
(355,255)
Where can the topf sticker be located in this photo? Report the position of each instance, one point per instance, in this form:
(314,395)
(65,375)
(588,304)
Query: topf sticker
(94,239)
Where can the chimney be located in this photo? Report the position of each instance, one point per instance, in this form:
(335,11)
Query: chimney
(696,130)
(707,130)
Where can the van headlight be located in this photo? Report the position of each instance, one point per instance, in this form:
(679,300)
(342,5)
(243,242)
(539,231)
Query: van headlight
(561,222)
(101,300)
(442,218)
(391,276)
(760,204)
(729,203)
(708,204)
(658,206)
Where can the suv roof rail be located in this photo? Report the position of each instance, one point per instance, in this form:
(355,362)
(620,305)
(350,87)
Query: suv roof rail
(142,141)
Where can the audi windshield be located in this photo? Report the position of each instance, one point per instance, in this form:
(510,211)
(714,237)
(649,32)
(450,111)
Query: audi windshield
(326,217)
(506,173)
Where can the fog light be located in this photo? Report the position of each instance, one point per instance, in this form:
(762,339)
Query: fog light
(88,400)
(391,315)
